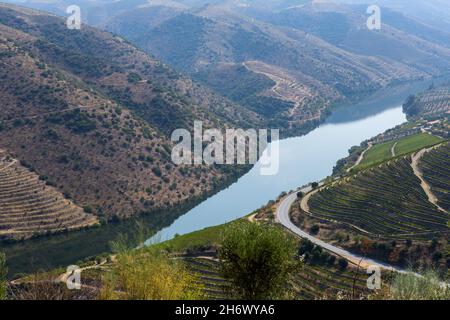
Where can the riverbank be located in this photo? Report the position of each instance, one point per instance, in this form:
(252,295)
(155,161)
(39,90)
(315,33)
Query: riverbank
(302,159)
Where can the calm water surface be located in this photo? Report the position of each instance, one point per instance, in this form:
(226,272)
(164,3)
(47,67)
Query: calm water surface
(302,160)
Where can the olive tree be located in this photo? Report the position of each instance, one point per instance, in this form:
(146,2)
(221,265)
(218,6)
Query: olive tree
(257,260)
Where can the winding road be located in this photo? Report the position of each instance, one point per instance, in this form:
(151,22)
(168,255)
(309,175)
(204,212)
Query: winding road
(282,217)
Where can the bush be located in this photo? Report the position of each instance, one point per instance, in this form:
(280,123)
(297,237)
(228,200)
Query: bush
(149,275)
(257,260)
(315,229)
(343,264)
(88,208)
(412,287)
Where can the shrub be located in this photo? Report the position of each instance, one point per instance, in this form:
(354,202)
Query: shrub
(88,208)
(343,264)
(409,286)
(149,275)
(257,260)
(134,78)
(315,229)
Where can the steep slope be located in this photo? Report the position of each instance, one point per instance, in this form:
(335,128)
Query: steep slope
(431,103)
(213,43)
(29,207)
(74,111)
(320,56)
(401,39)
(433,12)
(367,202)
(299,57)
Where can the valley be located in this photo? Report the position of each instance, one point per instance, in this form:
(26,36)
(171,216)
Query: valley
(93,117)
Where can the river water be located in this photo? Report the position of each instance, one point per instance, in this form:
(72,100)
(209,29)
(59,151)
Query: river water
(302,160)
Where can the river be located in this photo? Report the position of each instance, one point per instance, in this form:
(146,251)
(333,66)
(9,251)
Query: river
(302,160)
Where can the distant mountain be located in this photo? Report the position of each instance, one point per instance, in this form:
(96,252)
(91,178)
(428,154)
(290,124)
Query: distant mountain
(93,115)
(291,63)
(292,59)
(433,12)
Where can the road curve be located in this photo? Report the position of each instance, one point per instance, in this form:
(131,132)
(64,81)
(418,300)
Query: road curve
(282,216)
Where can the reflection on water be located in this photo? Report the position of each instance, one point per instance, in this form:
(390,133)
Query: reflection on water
(302,160)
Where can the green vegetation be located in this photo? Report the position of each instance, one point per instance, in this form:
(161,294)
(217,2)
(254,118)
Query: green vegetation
(148,274)
(376,154)
(411,287)
(257,260)
(196,240)
(3,275)
(434,166)
(382,152)
(416,142)
(76,121)
(386,201)
(434,101)
(311,281)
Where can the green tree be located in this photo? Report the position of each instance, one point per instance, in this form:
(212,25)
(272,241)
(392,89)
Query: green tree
(3,275)
(342,263)
(257,260)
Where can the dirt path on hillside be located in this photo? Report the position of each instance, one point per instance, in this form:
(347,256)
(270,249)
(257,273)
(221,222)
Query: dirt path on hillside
(393,149)
(423,183)
(361,157)
(8,165)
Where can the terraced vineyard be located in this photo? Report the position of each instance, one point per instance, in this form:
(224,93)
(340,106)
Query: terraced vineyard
(436,101)
(386,202)
(431,102)
(435,167)
(312,282)
(29,207)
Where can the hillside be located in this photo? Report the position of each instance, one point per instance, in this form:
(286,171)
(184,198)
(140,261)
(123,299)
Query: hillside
(312,55)
(431,103)
(293,60)
(315,279)
(30,206)
(402,201)
(94,115)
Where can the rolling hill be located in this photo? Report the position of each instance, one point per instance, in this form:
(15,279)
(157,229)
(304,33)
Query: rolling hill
(293,59)
(313,56)
(94,115)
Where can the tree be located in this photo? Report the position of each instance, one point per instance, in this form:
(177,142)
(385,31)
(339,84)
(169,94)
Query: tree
(314,185)
(343,264)
(315,229)
(3,275)
(257,260)
(299,194)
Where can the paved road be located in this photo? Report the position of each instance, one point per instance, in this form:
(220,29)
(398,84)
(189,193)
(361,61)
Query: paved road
(282,216)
